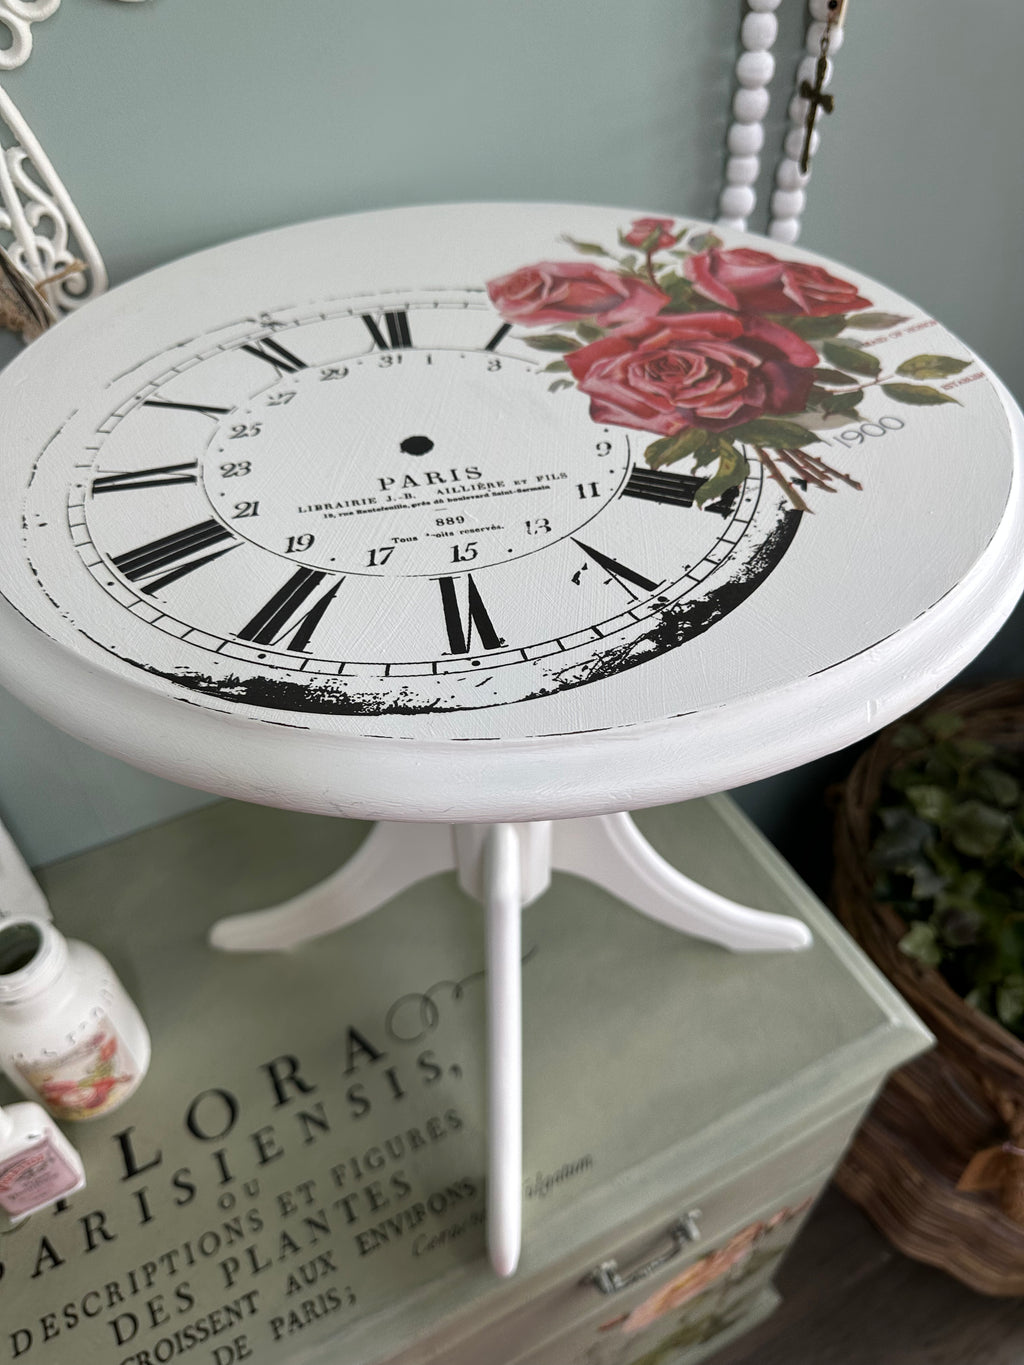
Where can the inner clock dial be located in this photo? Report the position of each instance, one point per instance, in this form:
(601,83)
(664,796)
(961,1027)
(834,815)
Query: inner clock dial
(413,464)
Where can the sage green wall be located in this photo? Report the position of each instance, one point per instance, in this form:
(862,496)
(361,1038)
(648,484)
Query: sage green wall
(179,123)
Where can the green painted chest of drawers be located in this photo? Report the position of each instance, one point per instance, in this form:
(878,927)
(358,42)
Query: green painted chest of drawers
(301,1177)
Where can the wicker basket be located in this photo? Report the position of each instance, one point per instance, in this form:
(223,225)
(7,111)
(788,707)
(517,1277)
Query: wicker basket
(960,1106)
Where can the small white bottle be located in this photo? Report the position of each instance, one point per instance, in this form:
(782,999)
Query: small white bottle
(70,1037)
(38,1165)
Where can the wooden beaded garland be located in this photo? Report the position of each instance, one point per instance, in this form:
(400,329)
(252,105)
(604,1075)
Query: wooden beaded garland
(755,67)
(824,38)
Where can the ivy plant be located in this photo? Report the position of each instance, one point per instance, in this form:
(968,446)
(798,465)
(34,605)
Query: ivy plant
(949,857)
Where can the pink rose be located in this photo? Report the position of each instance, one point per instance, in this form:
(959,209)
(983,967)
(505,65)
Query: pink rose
(643,228)
(707,370)
(573,292)
(754,281)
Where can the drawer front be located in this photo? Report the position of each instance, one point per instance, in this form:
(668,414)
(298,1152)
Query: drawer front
(686,1312)
(577,1315)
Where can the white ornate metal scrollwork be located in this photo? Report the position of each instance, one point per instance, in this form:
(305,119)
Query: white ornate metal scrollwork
(18,16)
(43,232)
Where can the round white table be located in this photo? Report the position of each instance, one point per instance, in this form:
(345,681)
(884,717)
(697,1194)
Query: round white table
(491,523)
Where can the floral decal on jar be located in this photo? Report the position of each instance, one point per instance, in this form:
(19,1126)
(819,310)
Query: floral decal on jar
(88,1080)
(725,354)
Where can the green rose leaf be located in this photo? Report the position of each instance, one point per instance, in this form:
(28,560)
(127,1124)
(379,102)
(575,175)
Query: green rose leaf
(555,342)
(704,241)
(733,468)
(920,943)
(555,367)
(876,322)
(683,298)
(773,432)
(588,332)
(587,248)
(833,377)
(917,395)
(842,402)
(931,366)
(560,384)
(812,329)
(849,357)
(670,449)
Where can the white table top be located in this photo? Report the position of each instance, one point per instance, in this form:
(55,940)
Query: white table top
(310,518)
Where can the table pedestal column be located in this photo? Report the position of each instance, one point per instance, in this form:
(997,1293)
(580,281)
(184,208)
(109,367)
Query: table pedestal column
(506,867)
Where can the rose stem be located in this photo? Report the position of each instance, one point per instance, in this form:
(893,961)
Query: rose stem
(779,477)
(820,464)
(650,270)
(796,460)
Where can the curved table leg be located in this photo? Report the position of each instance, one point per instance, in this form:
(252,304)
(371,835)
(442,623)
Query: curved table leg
(506,866)
(610,851)
(393,858)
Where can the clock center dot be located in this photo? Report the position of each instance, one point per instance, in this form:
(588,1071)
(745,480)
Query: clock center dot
(417,445)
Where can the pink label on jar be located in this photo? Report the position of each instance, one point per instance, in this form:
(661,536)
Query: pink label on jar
(37,1175)
(88,1079)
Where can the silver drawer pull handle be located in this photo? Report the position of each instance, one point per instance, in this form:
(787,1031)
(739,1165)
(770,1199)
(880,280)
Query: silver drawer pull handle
(684,1233)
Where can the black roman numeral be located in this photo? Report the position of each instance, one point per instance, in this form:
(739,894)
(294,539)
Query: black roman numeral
(204,408)
(176,550)
(157,477)
(622,575)
(397,324)
(282,615)
(660,485)
(499,336)
(460,629)
(275,354)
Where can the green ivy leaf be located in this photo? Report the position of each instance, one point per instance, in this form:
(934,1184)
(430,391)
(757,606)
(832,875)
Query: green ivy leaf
(919,942)
(586,248)
(876,322)
(977,829)
(670,449)
(994,785)
(774,433)
(943,724)
(909,737)
(849,357)
(1010,1000)
(930,802)
(554,342)
(917,395)
(733,468)
(931,366)
(812,329)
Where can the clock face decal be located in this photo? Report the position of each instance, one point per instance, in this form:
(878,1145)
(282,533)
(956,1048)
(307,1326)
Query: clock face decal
(421,476)
(383,507)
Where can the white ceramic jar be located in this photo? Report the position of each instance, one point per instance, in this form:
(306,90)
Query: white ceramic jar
(70,1037)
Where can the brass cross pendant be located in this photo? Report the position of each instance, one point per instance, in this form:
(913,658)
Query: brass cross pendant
(818,100)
